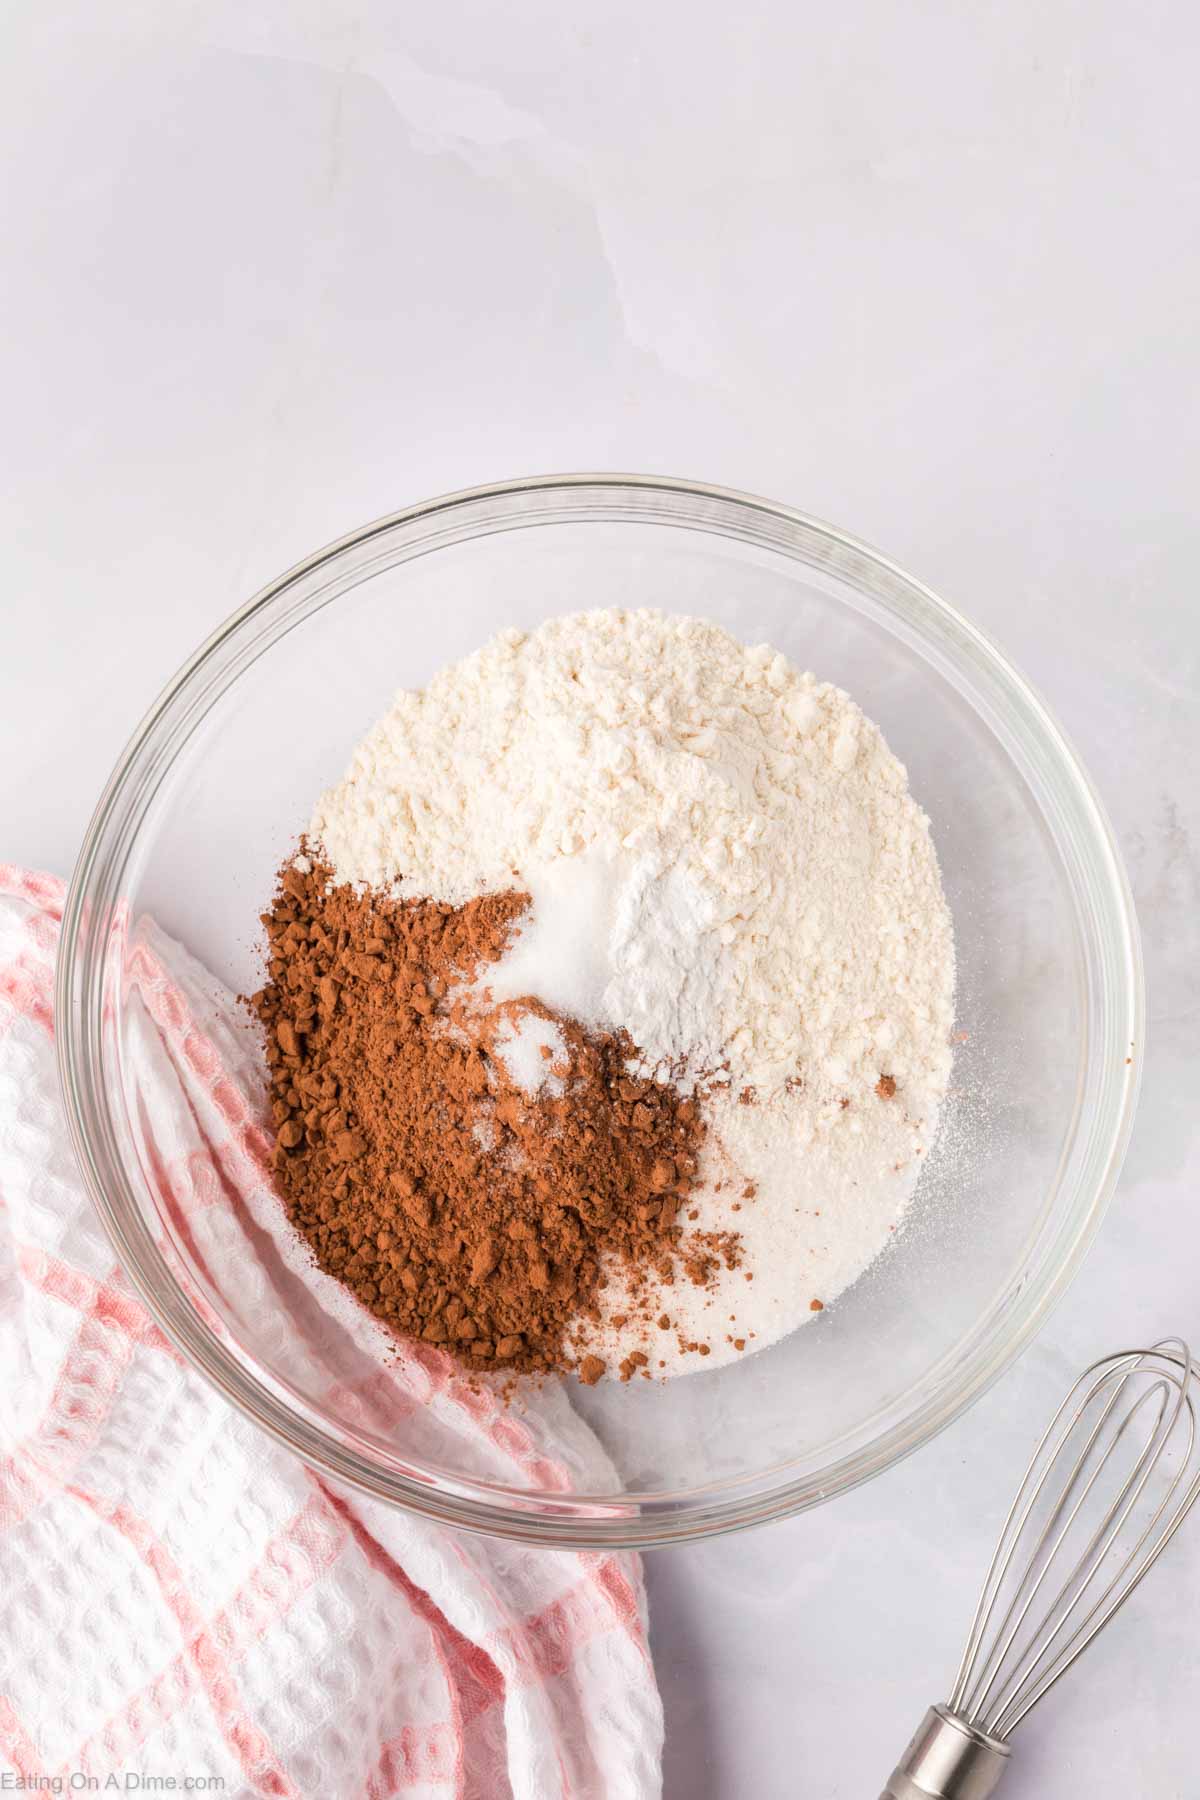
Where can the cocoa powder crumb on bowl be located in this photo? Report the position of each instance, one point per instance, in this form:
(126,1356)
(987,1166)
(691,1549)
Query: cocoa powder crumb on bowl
(459,1208)
(704,1252)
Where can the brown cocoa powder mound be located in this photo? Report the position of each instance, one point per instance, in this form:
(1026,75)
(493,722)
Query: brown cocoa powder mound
(457,1208)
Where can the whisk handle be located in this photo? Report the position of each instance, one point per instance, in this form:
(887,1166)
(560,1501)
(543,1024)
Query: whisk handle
(947,1760)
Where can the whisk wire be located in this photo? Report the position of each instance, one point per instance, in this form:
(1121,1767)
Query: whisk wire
(1127,1579)
(1078,1578)
(1023,1669)
(1010,1537)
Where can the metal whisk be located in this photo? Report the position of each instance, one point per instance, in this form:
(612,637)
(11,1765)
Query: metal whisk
(1108,1487)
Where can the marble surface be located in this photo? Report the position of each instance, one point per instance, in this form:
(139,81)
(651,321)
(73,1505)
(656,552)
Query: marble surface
(929,271)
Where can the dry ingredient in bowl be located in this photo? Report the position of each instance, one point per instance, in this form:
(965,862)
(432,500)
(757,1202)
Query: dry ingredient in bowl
(468,1198)
(714,861)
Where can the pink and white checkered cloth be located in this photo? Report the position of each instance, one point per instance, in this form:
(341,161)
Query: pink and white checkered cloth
(178,1596)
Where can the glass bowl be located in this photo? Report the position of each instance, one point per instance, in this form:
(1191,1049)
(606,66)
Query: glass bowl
(221,776)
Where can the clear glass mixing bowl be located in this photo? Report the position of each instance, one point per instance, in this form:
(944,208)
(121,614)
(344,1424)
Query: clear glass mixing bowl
(222,773)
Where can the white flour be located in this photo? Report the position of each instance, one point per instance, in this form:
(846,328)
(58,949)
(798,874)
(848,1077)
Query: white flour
(723,859)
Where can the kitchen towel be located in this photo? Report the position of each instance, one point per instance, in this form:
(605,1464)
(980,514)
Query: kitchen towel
(181,1598)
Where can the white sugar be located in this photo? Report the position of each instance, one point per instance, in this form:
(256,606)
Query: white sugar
(560,951)
(533,1051)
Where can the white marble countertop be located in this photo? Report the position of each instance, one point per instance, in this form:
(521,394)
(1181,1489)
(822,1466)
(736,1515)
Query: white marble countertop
(929,271)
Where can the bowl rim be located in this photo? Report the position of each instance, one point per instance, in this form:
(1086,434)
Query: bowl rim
(564,1521)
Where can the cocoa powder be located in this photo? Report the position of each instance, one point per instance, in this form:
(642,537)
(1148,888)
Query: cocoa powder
(457,1207)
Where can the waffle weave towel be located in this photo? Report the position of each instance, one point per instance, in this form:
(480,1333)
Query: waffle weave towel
(179,1598)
